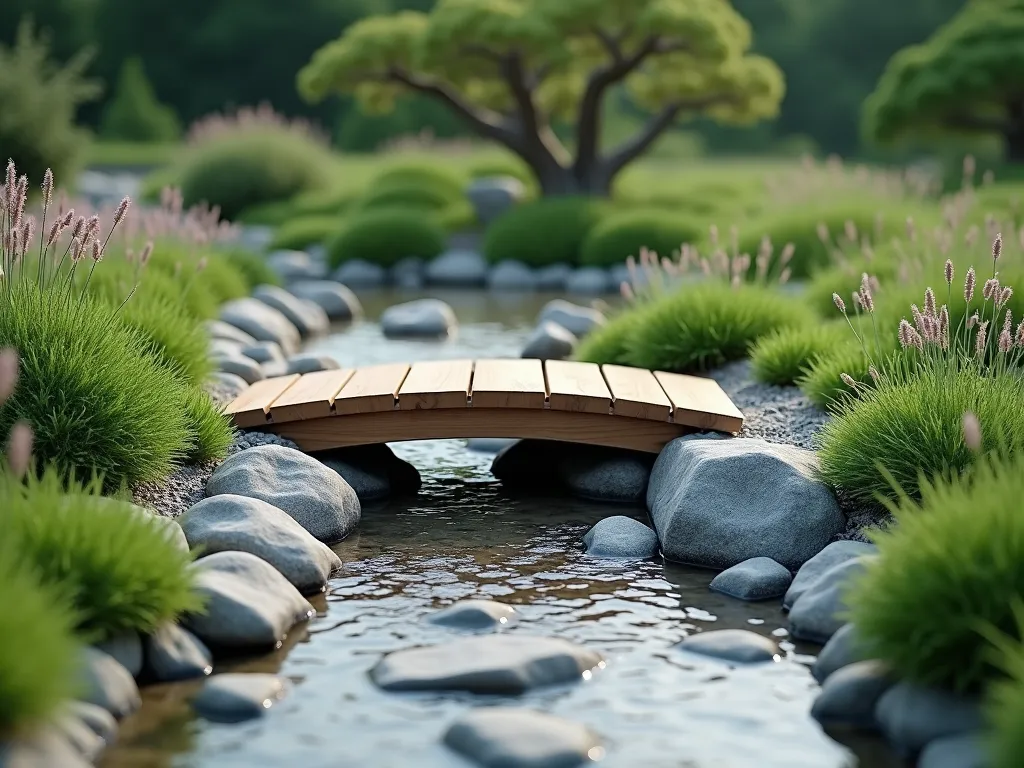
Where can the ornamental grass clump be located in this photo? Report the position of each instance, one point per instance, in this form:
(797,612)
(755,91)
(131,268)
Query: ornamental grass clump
(1005,697)
(785,356)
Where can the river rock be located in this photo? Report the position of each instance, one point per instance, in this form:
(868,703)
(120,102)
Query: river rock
(126,650)
(834,554)
(621,536)
(588,281)
(227,523)
(309,317)
(224,348)
(173,654)
(408,273)
(738,646)
(475,615)
(83,739)
(262,322)
(249,604)
(423,318)
(263,352)
(335,299)
(107,684)
(841,650)
(492,196)
(239,365)
(759,578)
(553,277)
(359,273)
(373,471)
(578,320)
(95,718)
(308,363)
(48,748)
(849,697)
(508,737)
(820,611)
(225,387)
(717,501)
(911,717)
(295,265)
(457,268)
(605,474)
(500,664)
(511,275)
(219,330)
(274,369)
(234,698)
(968,750)
(550,341)
(531,465)
(315,496)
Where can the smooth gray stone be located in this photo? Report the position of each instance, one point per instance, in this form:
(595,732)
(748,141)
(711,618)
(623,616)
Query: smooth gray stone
(307,316)
(219,330)
(82,738)
(849,697)
(511,276)
(499,663)
(968,750)
(235,698)
(243,367)
(230,385)
(488,444)
(249,604)
(97,719)
(126,650)
(553,277)
(225,348)
(227,523)
(588,281)
(373,471)
(835,553)
(262,322)
(295,265)
(508,737)
(423,318)
(759,578)
(492,196)
(457,268)
(621,536)
(336,299)
(174,654)
(475,615)
(911,717)
(274,368)
(47,749)
(317,497)
(605,474)
(107,684)
(173,531)
(841,650)
(739,646)
(820,611)
(549,341)
(408,272)
(359,273)
(578,320)
(263,352)
(717,501)
(311,364)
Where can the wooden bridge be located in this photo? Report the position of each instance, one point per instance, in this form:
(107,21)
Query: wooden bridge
(606,405)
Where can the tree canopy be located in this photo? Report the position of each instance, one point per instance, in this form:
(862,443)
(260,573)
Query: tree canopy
(968,78)
(511,68)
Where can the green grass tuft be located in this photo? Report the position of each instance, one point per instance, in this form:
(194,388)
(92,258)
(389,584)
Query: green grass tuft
(211,429)
(622,235)
(173,336)
(386,236)
(610,342)
(785,356)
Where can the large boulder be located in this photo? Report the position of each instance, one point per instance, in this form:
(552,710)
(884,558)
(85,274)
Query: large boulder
(262,322)
(717,501)
(491,196)
(507,737)
(317,498)
(359,273)
(578,320)
(423,318)
(550,341)
(307,316)
(336,299)
(458,268)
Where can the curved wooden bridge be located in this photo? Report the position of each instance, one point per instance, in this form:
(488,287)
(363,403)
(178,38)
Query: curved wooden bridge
(606,405)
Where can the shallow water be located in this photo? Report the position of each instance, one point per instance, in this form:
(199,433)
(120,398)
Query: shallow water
(463,537)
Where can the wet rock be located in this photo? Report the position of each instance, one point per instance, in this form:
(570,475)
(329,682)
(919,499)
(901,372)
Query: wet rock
(316,497)
(578,320)
(310,364)
(234,698)
(249,604)
(553,277)
(226,386)
(588,281)
(820,611)
(423,318)
(262,322)
(488,444)
(621,536)
(227,522)
(107,684)
(605,474)
(491,196)
(501,664)
(841,650)
(475,615)
(307,316)
(968,750)
(759,578)
(849,697)
(457,268)
(126,650)
(834,554)
(295,265)
(173,654)
(263,352)
(511,276)
(911,717)
(79,736)
(717,501)
(359,273)
(47,749)
(95,718)
(738,646)
(373,471)
(507,737)
(336,299)
(219,330)
(408,272)
(550,341)
(243,367)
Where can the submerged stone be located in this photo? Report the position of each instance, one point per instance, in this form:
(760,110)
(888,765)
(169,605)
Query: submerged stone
(738,646)
(759,578)
(234,698)
(621,537)
(475,614)
(508,737)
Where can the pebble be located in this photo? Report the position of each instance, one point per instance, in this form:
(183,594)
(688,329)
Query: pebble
(591,281)
(457,268)
(834,554)
(841,650)
(359,273)
(968,750)
(308,363)
(336,299)
(263,351)
(423,318)
(308,317)
(262,322)
(511,276)
(125,649)
(577,319)
(820,611)
(241,366)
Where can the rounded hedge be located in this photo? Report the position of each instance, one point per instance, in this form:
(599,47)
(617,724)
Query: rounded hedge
(387,236)
(622,235)
(546,231)
(301,232)
(434,180)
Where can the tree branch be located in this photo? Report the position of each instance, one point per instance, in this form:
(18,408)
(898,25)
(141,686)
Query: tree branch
(536,132)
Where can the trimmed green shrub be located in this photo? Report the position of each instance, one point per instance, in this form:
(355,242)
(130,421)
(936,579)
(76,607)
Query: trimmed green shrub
(622,235)
(1005,699)
(301,232)
(544,231)
(405,196)
(387,236)
(460,216)
(135,113)
(441,183)
(116,562)
(952,567)
(784,356)
(211,428)
(252,267)
(609,343)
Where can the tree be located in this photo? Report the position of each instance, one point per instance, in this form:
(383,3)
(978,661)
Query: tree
(509,68)
(968,78)
(135,114)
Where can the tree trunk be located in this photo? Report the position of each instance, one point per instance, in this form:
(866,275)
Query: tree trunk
(556,181)
(1014,135)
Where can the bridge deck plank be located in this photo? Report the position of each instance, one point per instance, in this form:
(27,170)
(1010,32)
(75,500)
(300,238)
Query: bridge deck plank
(509,384)
(250,409)
(372,389)
(436,384)
(311,397)
(637,393)
(578,387)
(700,402)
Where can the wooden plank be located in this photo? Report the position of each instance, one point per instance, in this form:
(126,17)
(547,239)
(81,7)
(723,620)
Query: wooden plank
(700,402)
(371,389)
(636,393)
(311,397)
(577,387)
(251,408)
(508,384)
(436,384)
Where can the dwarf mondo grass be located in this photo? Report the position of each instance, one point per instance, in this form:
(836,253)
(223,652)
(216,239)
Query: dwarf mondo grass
(212,433)
(783,357)
(609,343)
